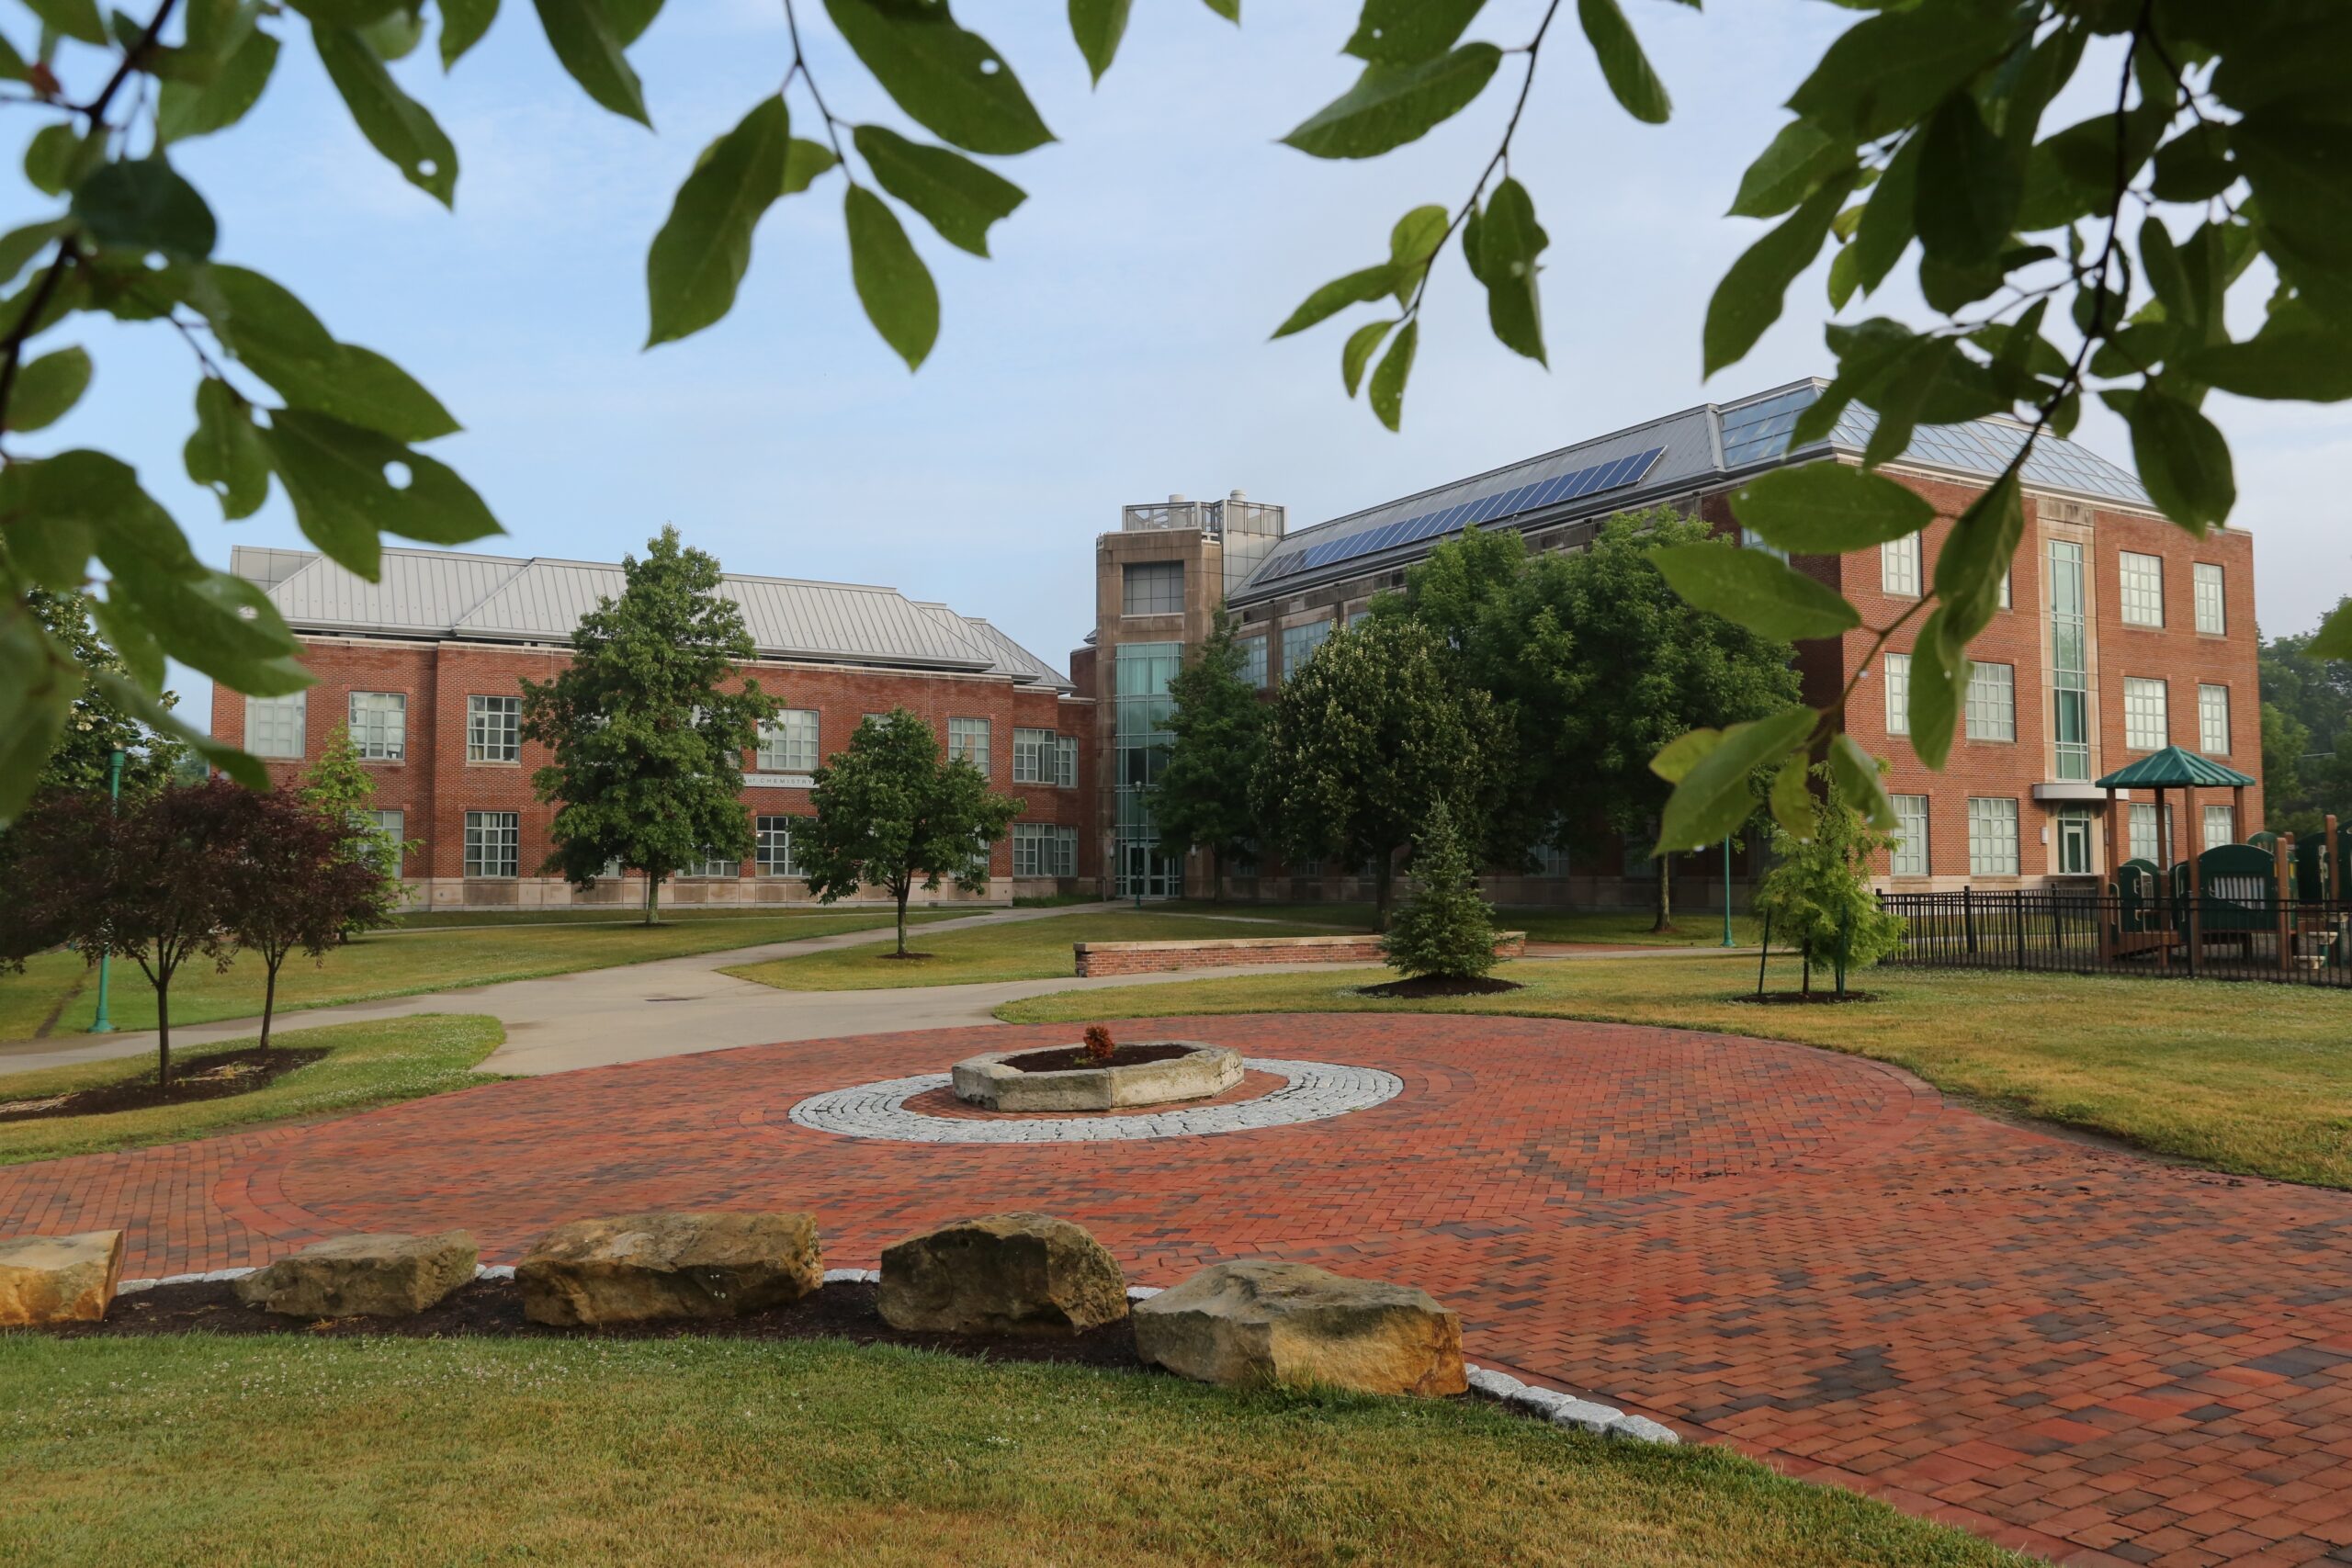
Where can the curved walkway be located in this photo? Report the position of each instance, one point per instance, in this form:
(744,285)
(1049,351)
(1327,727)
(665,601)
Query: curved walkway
(1811,1257)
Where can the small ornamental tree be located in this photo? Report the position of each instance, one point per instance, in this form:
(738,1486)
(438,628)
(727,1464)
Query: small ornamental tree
(1203,798)
(340,784)
(1817,896)
(1445,930)
(648,726)
(890,812)
(303,883)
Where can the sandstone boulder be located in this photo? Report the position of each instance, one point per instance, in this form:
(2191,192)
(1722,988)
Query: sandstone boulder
(1002,1274)
(634,1268)
(58,1278)
(1262,1322)
(376,1275)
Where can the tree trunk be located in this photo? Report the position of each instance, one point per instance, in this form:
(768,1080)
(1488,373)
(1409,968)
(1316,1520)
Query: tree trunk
(1665,894)
(1804,958)
(164,1032)
(904,889)
(652,899)
(1382,881)
(269,995)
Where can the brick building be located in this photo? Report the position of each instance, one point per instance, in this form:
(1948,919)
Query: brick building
(426,666)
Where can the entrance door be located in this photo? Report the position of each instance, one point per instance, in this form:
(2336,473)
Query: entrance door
(2074,842)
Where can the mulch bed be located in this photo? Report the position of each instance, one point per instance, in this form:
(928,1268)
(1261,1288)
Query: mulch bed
(207,1077)
(1066,1058)
(902,957)
(494,1309)
(1806,999)
(1440,986)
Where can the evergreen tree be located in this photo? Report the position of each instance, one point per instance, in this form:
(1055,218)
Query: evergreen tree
(97,726)
(1202,799)
(1445,929)
(648,726)
(340,784)
(890,813)
(1817,896)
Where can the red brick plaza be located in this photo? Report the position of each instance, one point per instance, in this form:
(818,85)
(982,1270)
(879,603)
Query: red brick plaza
(1809,1257)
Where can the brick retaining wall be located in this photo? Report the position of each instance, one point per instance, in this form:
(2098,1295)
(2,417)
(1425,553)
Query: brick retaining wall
(1149,957)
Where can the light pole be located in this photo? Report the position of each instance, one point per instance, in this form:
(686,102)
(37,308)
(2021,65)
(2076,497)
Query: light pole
(1727,941)
(102,1024)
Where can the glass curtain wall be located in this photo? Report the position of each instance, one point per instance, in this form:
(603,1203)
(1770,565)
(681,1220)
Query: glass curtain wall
(1144,706)
(2069,662)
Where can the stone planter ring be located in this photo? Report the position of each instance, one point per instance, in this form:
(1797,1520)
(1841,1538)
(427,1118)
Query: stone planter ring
(1155,1073)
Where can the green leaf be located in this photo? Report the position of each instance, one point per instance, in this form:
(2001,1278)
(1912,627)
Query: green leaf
(959,197)
(1229,9)
(1975,557)
(37,685)
(703,248)
(2195,165)
(803,161)
(77,19)
(1622,64)
(1792,800)
(1407,32)
(1845,275)
(346,13)
(1969,190)
(950,82)
(2334,638)
(47,388)
(1712,798)
(1503,257)
(1097,26)
(246,770)
(1890,219)
(21,245)
(1938,684)
(1679,756)
(632,17)
(341,480)
(1748,299)
(1358,352)
(1756,589)
(1829,508)
(2297,356)
(892,283)
(1799,158)
(1887,72)
(1356,288)
(1411,243)
(394,124)
(463,22)
(58,157)
(145,206)
(2182,457)
(1860,782)
(226,454)
(396,34)
(588,47)
(271,333)
(187,108)
(1388,377)
(12,64)
(1391,105)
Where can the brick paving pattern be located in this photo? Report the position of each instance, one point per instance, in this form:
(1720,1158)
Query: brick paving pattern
(1811,1257)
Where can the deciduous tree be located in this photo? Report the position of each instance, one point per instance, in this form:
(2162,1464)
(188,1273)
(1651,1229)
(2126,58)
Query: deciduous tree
(302,882)
(1817,896)
(1202,799)
(339,783)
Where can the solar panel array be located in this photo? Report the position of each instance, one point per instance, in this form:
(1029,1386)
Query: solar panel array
(1613,475)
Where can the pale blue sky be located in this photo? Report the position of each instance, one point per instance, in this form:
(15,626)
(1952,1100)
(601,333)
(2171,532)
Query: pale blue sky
(1114,351)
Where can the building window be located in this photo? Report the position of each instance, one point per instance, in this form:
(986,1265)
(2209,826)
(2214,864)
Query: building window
(2004,587)
(1898,567)
(493,729)
(1898,693)
(968,739)
(1299,644)
(1036,755)
(1992,836)
(391,830)
(1043,848)
(773,853)
(2070,698)
(2145,845)
(710,863)
(274,724)
(493,843)
(788,742)
(1910,852)
(2214,720)
(2143,589)
(1152,588)
(1357,617)
(1991,702)
(2211,619)
(2144,724)
(379,724)
(1253,661)
(1551,859)
(2220,826)
(1749,539)
(1066,762)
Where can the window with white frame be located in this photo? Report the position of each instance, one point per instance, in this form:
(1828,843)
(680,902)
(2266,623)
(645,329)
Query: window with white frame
(1910,852)
(493,843)
(1992,710)
(710,863)
(1066,762)
(274,724)
(390,829)
(1152,588)
(2143,589)
(2211,618)
(2214,720)
(788,742)
(2143,825)
(1898,567)
(772,855)
(968,739)
(493,729)
(1749,539)
(2220,826)
(1551,859)
(1043,848)
(1253,659)
(379,724)
(1992,836)
(1898,693)
(2145,724)
(1032,756)
(2004,587)
(1300,642)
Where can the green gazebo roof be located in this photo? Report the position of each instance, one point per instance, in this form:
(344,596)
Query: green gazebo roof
(2171,768)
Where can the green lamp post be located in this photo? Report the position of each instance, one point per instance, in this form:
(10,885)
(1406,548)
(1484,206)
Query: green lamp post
(102,1024)
(1727,941)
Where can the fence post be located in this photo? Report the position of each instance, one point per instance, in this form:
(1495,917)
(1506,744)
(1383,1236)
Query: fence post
(1763,952)
(1968,918)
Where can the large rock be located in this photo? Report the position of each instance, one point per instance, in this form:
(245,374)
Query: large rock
(638,1267)
(1002,1274)
(58,1279)
(1263,1322)
(381,1275)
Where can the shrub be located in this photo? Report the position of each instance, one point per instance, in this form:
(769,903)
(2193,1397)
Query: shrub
(1446,930)
(1099,1043)
(1817,895)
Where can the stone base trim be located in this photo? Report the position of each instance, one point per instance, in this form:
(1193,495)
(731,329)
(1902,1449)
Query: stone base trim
(1158,957)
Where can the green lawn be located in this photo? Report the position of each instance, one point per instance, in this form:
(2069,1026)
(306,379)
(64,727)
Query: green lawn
(2248,1077)
(397,963)
(283,1449)
(1023,950)
(368,1064)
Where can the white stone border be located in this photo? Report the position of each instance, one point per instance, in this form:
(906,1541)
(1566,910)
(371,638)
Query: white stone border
(1314,1091)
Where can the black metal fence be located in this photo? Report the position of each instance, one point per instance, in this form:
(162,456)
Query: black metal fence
(2062,929)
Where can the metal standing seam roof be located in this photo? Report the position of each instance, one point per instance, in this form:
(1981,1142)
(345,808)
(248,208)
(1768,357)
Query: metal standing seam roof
(2175,767)
(1013,660)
